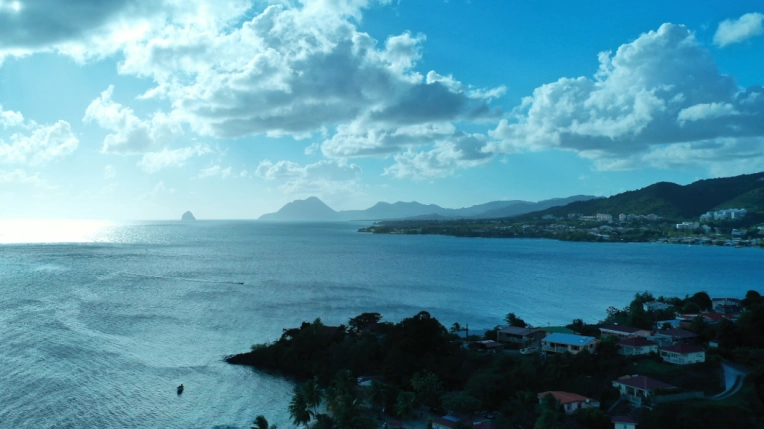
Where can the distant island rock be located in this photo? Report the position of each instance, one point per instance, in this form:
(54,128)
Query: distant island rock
(188,216)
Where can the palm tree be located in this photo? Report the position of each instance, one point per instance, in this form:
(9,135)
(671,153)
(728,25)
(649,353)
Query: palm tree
(376,394)
(262,423)
(298,409)
(313,395)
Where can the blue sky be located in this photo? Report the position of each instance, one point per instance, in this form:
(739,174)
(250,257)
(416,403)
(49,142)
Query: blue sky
(137,109)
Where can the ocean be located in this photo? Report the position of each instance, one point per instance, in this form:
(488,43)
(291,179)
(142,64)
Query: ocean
(100,321)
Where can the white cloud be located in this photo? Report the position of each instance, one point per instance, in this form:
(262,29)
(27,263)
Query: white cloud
(131,134)
(215,171)
(739,30)
(9,118)
(45,143)
(109,172)
(462,151)
(19,176)
(662,89)
(152,162)
(158,190)
(323,177)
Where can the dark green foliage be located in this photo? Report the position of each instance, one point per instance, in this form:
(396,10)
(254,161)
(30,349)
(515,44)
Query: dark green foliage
(461,402)
(262,423)
(363,321)
(405,404)
(513,320)
(681,415)
(428,389)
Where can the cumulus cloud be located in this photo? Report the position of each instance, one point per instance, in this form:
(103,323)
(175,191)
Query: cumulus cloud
(131,134)
(152,162)
(19,176)
(45,143)
(327,176)
(461,151)
(739,30)
(662,89)
(9,118)
(216,171)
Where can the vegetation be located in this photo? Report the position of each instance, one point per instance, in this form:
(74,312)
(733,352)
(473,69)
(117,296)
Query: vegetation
(416,364)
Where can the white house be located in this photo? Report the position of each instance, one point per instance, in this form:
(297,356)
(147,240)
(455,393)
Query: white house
(570,401)
(683,354)
(561,343)
(623,331)
(623,422)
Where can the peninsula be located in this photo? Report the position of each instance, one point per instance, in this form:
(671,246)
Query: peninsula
(663,362)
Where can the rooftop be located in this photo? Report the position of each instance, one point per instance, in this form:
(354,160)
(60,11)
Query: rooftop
(644,383)
(677,333)
(566,397)
(558,330)
(622,419)
(619,328)
(575,340)
(683,349)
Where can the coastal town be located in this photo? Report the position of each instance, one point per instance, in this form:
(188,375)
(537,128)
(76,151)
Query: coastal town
(719,228)
(657,363)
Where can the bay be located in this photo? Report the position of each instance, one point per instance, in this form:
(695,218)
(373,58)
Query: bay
(99,321)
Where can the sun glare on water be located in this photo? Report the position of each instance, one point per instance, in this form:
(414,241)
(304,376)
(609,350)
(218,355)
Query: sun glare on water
(53,231)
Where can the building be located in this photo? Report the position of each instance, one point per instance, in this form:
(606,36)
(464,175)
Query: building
(657,305)
(623,422)
(450,422)
(726,305)
(636,346)
(570,402)
(637,389)
(688,225)
(668,337)
(604,217)
(574,344)
(558,330)
(683,354)
(517,335)
(622,331)
(621,217)
(487,345)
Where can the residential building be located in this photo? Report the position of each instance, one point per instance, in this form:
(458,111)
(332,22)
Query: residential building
(517,335)
(604,217)
(688,225)
(487,345)
(450,421)
(621,217)
(668,337)
(636,346)
(561,343)
(558,330)
(622,331)
(726,305)
(570,402)
(637,389)
(683,354)
(623,422)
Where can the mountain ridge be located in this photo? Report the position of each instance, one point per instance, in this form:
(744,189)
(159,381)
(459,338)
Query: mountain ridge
(313,209)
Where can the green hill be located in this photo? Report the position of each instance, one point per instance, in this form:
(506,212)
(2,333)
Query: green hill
(675,202)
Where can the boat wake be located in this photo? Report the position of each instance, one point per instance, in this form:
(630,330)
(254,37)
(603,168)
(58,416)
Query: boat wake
(187,279)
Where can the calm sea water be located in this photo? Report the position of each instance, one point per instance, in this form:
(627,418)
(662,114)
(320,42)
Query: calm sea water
(99,327)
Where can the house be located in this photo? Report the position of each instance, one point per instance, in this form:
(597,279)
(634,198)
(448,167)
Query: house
(561,343)
(683,354)
(480,333)
(622,331)
(517,335)
(450,421)
(638,388)
(657,305)
(623,422)
(726,305)
(570,402)
(636,346)
(669,337)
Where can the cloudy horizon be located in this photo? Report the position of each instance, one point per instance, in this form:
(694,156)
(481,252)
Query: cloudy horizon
(142,110)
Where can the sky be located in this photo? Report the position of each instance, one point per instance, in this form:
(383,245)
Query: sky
(143,109)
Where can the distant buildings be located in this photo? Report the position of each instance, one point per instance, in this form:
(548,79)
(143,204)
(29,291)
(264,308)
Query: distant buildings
(688,225)
(605,217)
(729,214)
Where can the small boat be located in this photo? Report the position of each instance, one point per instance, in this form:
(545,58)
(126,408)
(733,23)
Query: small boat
(180,389)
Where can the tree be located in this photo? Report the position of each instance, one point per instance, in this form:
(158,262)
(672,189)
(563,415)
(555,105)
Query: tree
(298,409)
(461,402)
(456,327)
(513,320)
(376,394)
(702,300)
(548,420)
(313,395)
(404,406)
(428,389)
(262,423)
(362,321)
